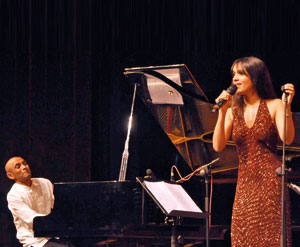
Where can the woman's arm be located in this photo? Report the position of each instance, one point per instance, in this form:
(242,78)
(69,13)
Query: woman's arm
(224,123)
(279,115)
(222,129)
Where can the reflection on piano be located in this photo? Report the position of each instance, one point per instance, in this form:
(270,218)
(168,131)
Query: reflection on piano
(82,209)
(111,212)
(120,213)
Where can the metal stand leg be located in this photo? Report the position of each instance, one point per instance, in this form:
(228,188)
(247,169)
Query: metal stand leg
(207,209)
(174,242)
(283,237)
(174,237)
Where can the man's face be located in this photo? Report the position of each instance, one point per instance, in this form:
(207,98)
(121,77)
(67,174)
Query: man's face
(18,170)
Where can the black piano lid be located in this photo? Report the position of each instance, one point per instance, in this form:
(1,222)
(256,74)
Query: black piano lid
(181,108)
(177,102)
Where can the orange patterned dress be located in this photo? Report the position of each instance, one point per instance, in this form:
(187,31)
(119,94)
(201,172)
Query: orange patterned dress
(256,214)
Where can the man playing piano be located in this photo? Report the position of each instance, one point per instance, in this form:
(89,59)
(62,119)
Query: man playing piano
(29,197)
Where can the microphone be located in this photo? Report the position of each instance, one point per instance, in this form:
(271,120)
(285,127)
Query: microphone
(231,90)
(150,174)
(284,90)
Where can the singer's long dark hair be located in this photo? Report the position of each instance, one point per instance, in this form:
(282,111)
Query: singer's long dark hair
(258,72)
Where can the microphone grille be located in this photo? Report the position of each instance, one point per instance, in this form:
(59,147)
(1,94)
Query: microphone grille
(149,172)
(232,89)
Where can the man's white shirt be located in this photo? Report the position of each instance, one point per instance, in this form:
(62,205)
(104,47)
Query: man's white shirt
(25,203)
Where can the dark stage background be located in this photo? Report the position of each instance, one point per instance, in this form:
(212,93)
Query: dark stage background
(64,102)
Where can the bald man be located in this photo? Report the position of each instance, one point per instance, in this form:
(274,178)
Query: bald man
(28,197)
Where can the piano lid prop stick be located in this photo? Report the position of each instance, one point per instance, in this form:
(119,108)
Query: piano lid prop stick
(125,155)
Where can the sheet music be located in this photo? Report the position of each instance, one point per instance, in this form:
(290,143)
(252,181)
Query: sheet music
(162,93)
(172,196)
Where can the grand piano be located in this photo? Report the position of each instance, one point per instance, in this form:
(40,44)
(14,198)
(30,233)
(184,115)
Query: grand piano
(120,213)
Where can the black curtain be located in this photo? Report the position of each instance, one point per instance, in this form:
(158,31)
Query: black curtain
(64,102)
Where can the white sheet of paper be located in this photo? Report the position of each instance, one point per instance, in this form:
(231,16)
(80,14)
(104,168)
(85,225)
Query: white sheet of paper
(172,196)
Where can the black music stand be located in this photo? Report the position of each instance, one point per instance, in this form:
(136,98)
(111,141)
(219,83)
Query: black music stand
(173,201)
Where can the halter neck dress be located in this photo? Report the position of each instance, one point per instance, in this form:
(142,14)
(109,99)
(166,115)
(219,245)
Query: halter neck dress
(256,214)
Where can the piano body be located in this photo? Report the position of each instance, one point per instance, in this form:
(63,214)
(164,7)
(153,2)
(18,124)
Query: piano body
(116,211)
(87,213)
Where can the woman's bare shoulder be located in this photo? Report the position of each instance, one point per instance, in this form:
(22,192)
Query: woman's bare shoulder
(274,102)
(274,105)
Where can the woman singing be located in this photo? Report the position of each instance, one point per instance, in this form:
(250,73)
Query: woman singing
(255,119)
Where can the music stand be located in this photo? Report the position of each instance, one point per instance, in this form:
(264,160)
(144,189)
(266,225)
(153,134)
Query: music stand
(173,201)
